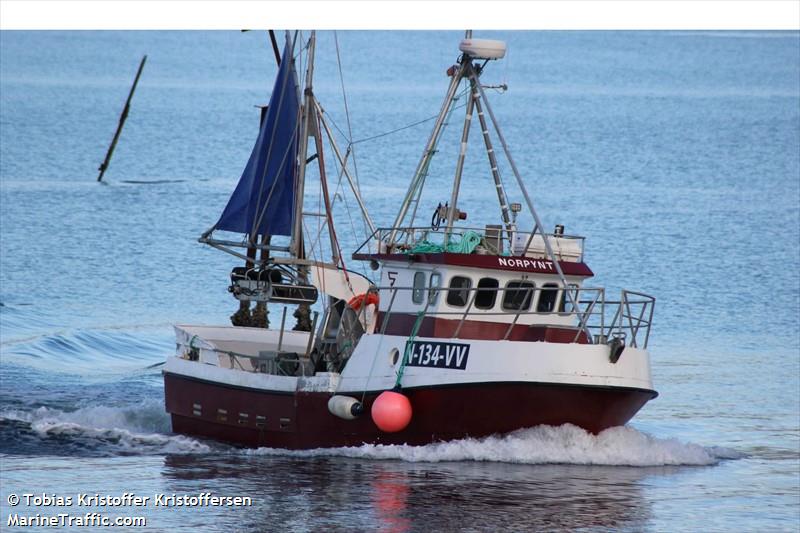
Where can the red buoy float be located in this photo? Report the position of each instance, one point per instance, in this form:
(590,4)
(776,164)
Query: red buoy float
(391,411)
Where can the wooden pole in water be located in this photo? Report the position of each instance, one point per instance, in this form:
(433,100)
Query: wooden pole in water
(104,166)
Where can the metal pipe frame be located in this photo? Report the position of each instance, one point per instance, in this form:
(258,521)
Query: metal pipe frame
(297,229)
(462,155)
(429,147)
(498,183)
(474,77)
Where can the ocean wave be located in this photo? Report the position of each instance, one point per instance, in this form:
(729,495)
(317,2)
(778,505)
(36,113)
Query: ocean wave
(140,429)
(91,350)
(567,444)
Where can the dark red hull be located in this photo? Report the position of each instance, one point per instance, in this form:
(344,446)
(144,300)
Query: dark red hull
(301,420)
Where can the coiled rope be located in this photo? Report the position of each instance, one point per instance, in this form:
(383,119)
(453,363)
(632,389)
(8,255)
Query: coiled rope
(466,245)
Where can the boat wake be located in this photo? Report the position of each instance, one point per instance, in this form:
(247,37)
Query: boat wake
(567,444)
(140,429)
(144,429)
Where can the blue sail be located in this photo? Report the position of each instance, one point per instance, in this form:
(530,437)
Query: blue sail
(263,201)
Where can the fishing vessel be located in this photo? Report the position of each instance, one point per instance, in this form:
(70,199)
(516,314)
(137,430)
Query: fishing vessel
(454,331)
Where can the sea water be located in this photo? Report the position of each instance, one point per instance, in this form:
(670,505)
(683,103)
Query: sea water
(677,154)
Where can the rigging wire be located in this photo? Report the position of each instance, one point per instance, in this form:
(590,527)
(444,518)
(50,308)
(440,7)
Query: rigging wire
(352,143)
(341,172)
(349,137)
(408,126)
(343,198)
(346,108)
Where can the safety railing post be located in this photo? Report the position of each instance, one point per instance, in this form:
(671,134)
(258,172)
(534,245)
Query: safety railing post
(466,312)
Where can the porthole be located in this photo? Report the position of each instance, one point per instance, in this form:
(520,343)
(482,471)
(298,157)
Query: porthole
(394,356)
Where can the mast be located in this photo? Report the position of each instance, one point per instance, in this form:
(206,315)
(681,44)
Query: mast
(313,124)
(427,153)
(307,115)
(498,183)
(466,70)
(297,247)
(336,256)
(452,214)
(260,317)
(268,200)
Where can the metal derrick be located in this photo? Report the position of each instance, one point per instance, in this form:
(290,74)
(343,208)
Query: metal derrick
(468,71)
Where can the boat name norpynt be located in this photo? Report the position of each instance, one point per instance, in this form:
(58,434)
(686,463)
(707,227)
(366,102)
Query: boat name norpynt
(525,263)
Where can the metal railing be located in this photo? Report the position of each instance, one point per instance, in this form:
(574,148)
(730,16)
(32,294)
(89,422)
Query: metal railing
(631,318)
(496,240)
(634,315)
(631,315)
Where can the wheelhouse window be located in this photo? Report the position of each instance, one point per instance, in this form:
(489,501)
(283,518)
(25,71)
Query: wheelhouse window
(487,293)
(433,288)
(547,298)
(458,293)
(418,291)
(518,295)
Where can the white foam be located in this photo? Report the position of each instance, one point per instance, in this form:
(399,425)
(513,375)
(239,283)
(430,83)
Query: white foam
(137,429)
(565,444)
(143,429)
(148,415)
(122,440)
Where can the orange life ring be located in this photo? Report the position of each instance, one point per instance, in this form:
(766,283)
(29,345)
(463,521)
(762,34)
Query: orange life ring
(363,299)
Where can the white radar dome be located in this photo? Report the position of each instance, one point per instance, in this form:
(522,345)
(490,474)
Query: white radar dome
(483,48)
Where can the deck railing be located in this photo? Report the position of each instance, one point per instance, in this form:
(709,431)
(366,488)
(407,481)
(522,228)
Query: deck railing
(587,311)
(601,319)
(496,240)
